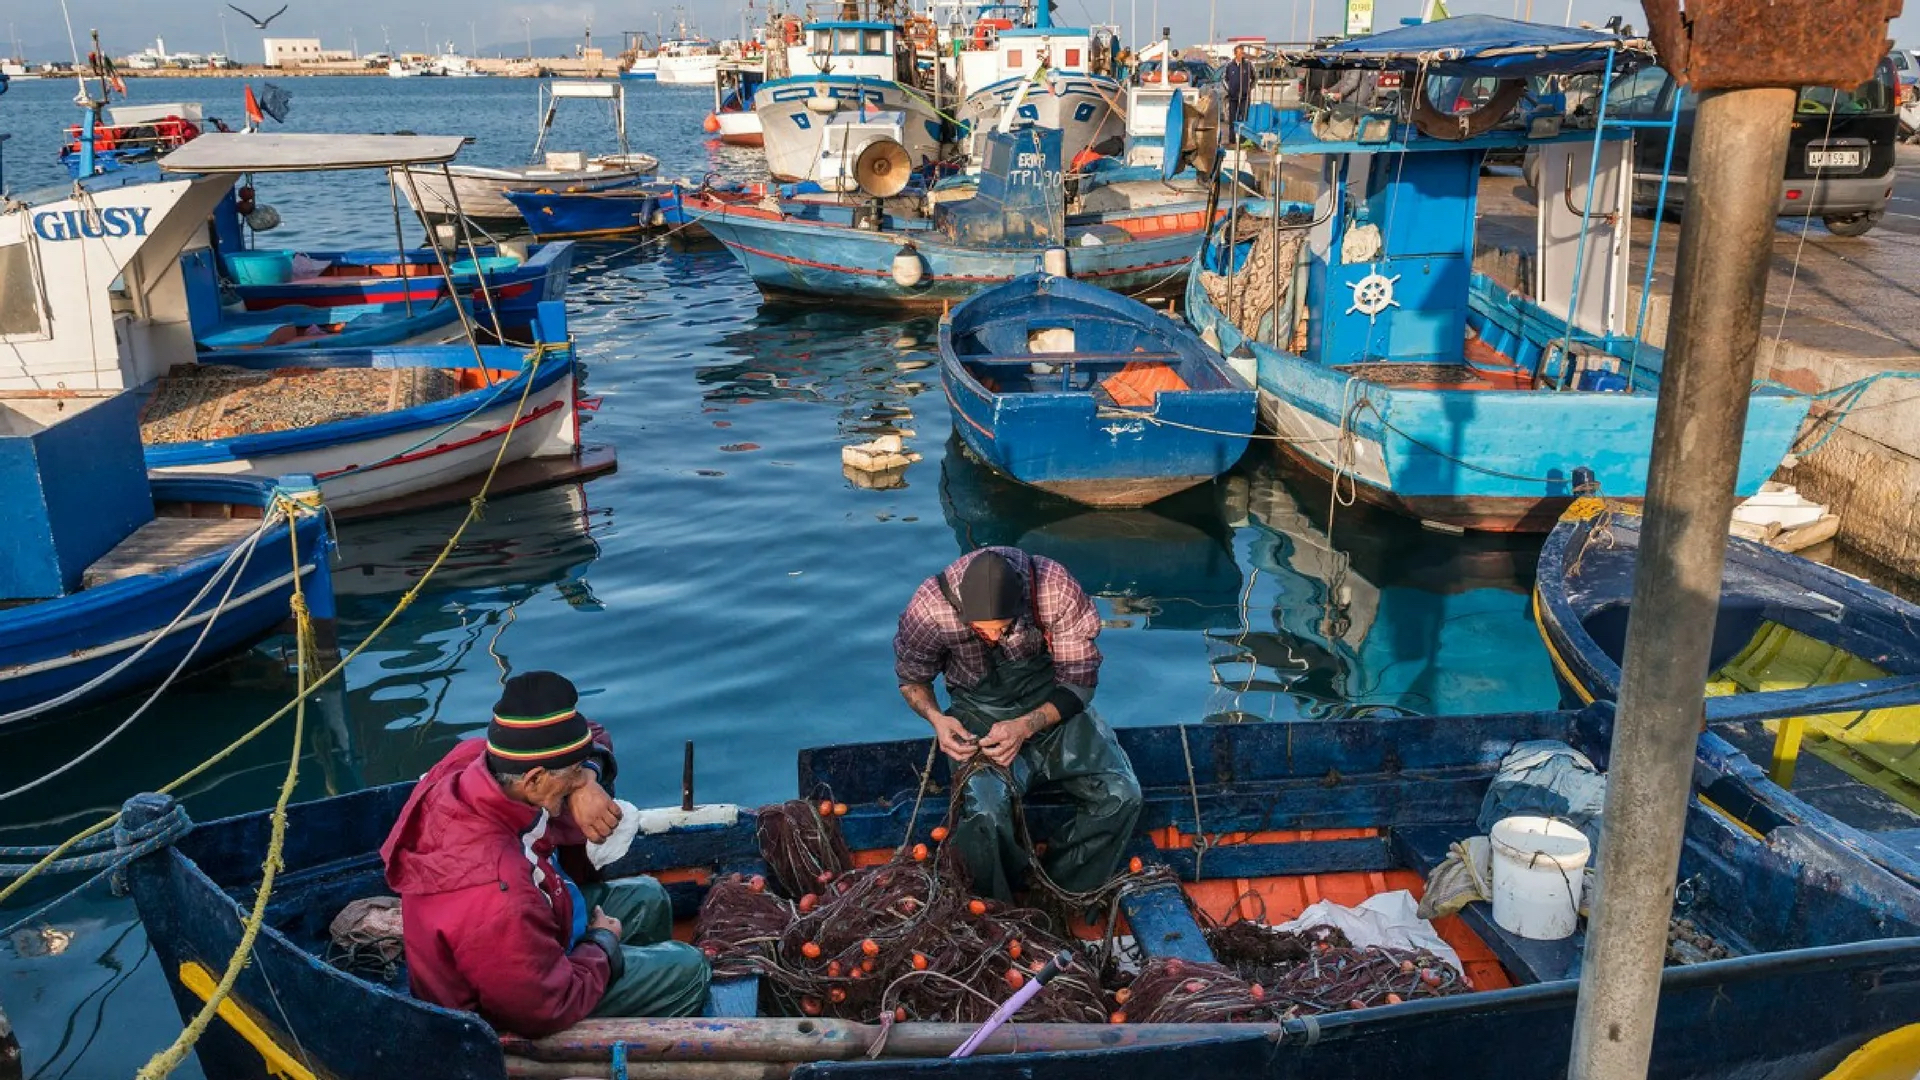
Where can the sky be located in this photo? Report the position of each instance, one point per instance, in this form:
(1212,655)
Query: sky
(195,25)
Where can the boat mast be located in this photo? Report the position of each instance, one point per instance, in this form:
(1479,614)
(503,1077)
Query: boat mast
(1745,59)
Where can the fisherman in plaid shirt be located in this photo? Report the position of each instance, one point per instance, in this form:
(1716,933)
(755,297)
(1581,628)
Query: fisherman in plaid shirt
(1013,635)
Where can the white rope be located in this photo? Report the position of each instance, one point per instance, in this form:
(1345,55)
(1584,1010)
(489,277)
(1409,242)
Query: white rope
(245,550)
(1806,223)
(241,550)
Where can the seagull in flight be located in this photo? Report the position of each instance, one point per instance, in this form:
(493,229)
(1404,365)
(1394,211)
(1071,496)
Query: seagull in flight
(259,23)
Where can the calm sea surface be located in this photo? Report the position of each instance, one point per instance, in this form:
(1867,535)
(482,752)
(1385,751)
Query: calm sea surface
(729,584)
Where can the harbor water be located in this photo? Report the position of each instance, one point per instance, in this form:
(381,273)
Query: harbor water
(729,585)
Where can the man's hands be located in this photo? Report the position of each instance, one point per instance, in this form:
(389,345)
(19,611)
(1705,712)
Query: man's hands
(595,812)
(1003,741)
(600,920)
(952,735)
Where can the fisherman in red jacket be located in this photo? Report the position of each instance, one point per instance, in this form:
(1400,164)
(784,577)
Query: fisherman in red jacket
(492,922)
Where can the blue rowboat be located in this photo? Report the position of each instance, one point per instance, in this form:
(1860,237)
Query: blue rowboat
(1390,366)
(517,286)
(148,589)
(346,326)
(1812,671)
(432,425)
(621,210)
(1041,375)
(1339,808)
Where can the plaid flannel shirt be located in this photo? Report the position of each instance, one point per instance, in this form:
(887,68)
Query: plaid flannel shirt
(934,640)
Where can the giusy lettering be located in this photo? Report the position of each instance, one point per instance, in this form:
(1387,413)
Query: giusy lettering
(112,222)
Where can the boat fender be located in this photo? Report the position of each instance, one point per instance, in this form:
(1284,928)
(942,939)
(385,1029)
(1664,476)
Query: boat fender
(657,219)
(1054,261)
(823,103)
(263,219)
(243,200)
(711,123)
(908,269)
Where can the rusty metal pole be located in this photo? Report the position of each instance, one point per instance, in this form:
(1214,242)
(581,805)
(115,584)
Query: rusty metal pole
(1728,52)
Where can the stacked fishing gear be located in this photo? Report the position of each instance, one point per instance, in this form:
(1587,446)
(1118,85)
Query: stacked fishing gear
(906,940)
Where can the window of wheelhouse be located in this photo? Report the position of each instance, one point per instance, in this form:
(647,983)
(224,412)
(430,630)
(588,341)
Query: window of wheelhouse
(822,42)
(847,42)
(1073,58)
(875,43)
(1016,59)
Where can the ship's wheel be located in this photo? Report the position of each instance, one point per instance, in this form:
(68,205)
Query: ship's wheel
(1373,294)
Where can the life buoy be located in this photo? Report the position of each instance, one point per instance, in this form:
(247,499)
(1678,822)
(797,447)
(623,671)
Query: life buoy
(924,34)
(792,30)
(1453,127)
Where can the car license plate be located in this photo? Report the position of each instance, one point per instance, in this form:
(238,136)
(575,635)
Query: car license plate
(1833,159)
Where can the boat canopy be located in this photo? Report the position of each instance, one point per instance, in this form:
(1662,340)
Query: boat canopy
(1479,46)
(222,152)
(580,88)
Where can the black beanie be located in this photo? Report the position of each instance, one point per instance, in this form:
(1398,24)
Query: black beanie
(535,723)
(990,589)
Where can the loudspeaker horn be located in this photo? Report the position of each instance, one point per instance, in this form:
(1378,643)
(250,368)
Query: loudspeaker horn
(882,169)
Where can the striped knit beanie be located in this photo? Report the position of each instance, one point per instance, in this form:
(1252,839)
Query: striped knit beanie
(535,724)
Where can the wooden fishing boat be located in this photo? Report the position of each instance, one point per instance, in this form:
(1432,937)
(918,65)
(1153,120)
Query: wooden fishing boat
(478,192)
(1813,671)
(733,118)
(597,214)
(205,575)
(385,427)
(845,68)
(1047,76)
(1135,239)
(514,284)
(1289,813)
(346,326)
(1087,394)
(1392,368)
(379,429)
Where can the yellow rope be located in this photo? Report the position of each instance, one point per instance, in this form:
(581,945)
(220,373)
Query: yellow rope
(163,1063)
(406,600)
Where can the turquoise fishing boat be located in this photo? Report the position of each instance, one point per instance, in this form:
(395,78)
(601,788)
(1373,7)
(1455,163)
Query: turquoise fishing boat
(1388,364)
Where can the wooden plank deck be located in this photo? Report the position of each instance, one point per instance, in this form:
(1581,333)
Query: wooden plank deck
(165,543)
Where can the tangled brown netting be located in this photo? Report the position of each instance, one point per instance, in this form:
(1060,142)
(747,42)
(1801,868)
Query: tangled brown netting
(907,940)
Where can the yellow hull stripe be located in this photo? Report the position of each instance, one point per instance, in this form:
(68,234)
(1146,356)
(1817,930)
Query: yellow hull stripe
(1559,662)
(279,1063)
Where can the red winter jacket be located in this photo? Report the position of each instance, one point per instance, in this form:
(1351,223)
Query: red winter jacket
(485,915)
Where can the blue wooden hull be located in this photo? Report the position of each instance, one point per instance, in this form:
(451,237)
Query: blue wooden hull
(1820,936)
(50,648)
(791,257)
(1065,440)
(1480,458)
(518,291)
(1581,601)
(363,325)
(617,211)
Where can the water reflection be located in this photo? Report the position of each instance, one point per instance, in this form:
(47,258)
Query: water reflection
(1171,567)
(791,352)
(1385,616)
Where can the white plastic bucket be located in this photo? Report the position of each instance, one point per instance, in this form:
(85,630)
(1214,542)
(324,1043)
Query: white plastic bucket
(1538,867)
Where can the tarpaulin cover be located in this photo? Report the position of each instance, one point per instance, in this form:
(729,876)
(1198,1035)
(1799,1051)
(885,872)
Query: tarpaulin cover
(1020,202)
(1483,45)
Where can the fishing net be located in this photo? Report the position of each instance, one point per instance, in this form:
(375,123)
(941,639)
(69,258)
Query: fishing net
(1263,283)
(906,940)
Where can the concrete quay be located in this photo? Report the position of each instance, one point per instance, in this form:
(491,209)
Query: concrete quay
(1839,311)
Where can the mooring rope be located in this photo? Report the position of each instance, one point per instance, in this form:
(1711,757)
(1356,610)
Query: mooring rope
(474,509)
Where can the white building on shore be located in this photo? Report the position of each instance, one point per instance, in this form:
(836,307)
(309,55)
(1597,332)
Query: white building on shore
(292,52)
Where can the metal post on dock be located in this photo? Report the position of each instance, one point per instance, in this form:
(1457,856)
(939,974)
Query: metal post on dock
(1745,60)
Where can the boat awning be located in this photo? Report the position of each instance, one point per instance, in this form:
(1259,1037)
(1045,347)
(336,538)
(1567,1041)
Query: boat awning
(1477,46)
(577,88)
(223,152)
